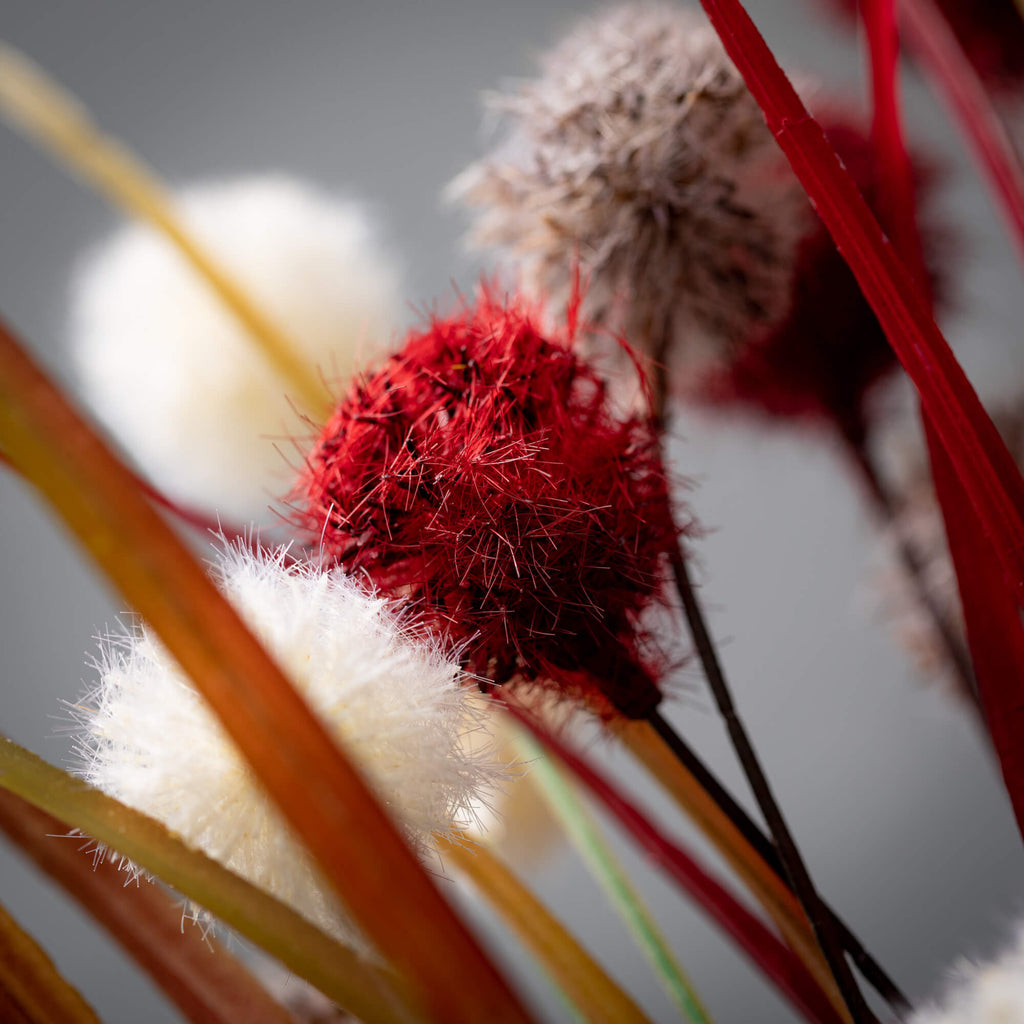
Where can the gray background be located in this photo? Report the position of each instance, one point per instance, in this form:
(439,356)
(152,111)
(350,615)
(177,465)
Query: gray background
(891,794)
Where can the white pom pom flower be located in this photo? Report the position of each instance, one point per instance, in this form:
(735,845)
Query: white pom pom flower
(983,993)
(173,373)
(390,695)
(640,154)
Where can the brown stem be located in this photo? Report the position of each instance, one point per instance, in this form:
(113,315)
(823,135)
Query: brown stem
(795,869)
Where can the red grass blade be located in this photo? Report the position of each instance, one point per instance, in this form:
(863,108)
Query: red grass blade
(898,200)
(978,454)
(996,639)
(775,959)
(937,50)
(994,629)
(316,786)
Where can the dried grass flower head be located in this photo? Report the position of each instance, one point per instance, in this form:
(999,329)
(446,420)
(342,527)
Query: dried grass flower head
(482,472)
(919,525)
(640,152)
(641,155)
(388,692)
(174,375)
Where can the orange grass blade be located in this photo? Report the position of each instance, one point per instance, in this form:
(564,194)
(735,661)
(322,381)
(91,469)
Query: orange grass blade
(980,458)
(727,825)
(317,788)
(200,976)
(31,987)
(599,999)
(775,959)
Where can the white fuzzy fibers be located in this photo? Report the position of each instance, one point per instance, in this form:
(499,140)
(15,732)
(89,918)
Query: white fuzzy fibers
(984,994)
(171,371)
(389,695)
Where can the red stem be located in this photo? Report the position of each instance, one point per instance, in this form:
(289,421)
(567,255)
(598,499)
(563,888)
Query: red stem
(953,76)
(977,452)
(776,960)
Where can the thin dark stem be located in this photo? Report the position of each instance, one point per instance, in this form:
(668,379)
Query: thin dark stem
(868,966)
(773,956)
(795,869)
(956,649)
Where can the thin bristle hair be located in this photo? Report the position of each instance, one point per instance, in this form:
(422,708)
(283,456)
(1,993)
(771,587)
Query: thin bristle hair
(482,472)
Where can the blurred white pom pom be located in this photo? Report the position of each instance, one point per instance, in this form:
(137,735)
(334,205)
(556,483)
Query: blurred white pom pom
(174,375)
(516,819)
(983,994)
(391,696)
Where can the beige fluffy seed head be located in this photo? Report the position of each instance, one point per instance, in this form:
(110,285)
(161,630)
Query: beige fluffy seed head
(391,696)
(641,153)
(919,524)
(175,376)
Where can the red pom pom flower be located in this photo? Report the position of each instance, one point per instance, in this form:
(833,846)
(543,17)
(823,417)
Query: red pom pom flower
(482,473)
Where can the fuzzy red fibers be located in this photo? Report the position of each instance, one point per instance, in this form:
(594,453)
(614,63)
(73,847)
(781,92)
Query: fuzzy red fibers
(481,473)
(822,359)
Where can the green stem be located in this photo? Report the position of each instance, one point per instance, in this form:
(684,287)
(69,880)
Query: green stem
(582,829)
